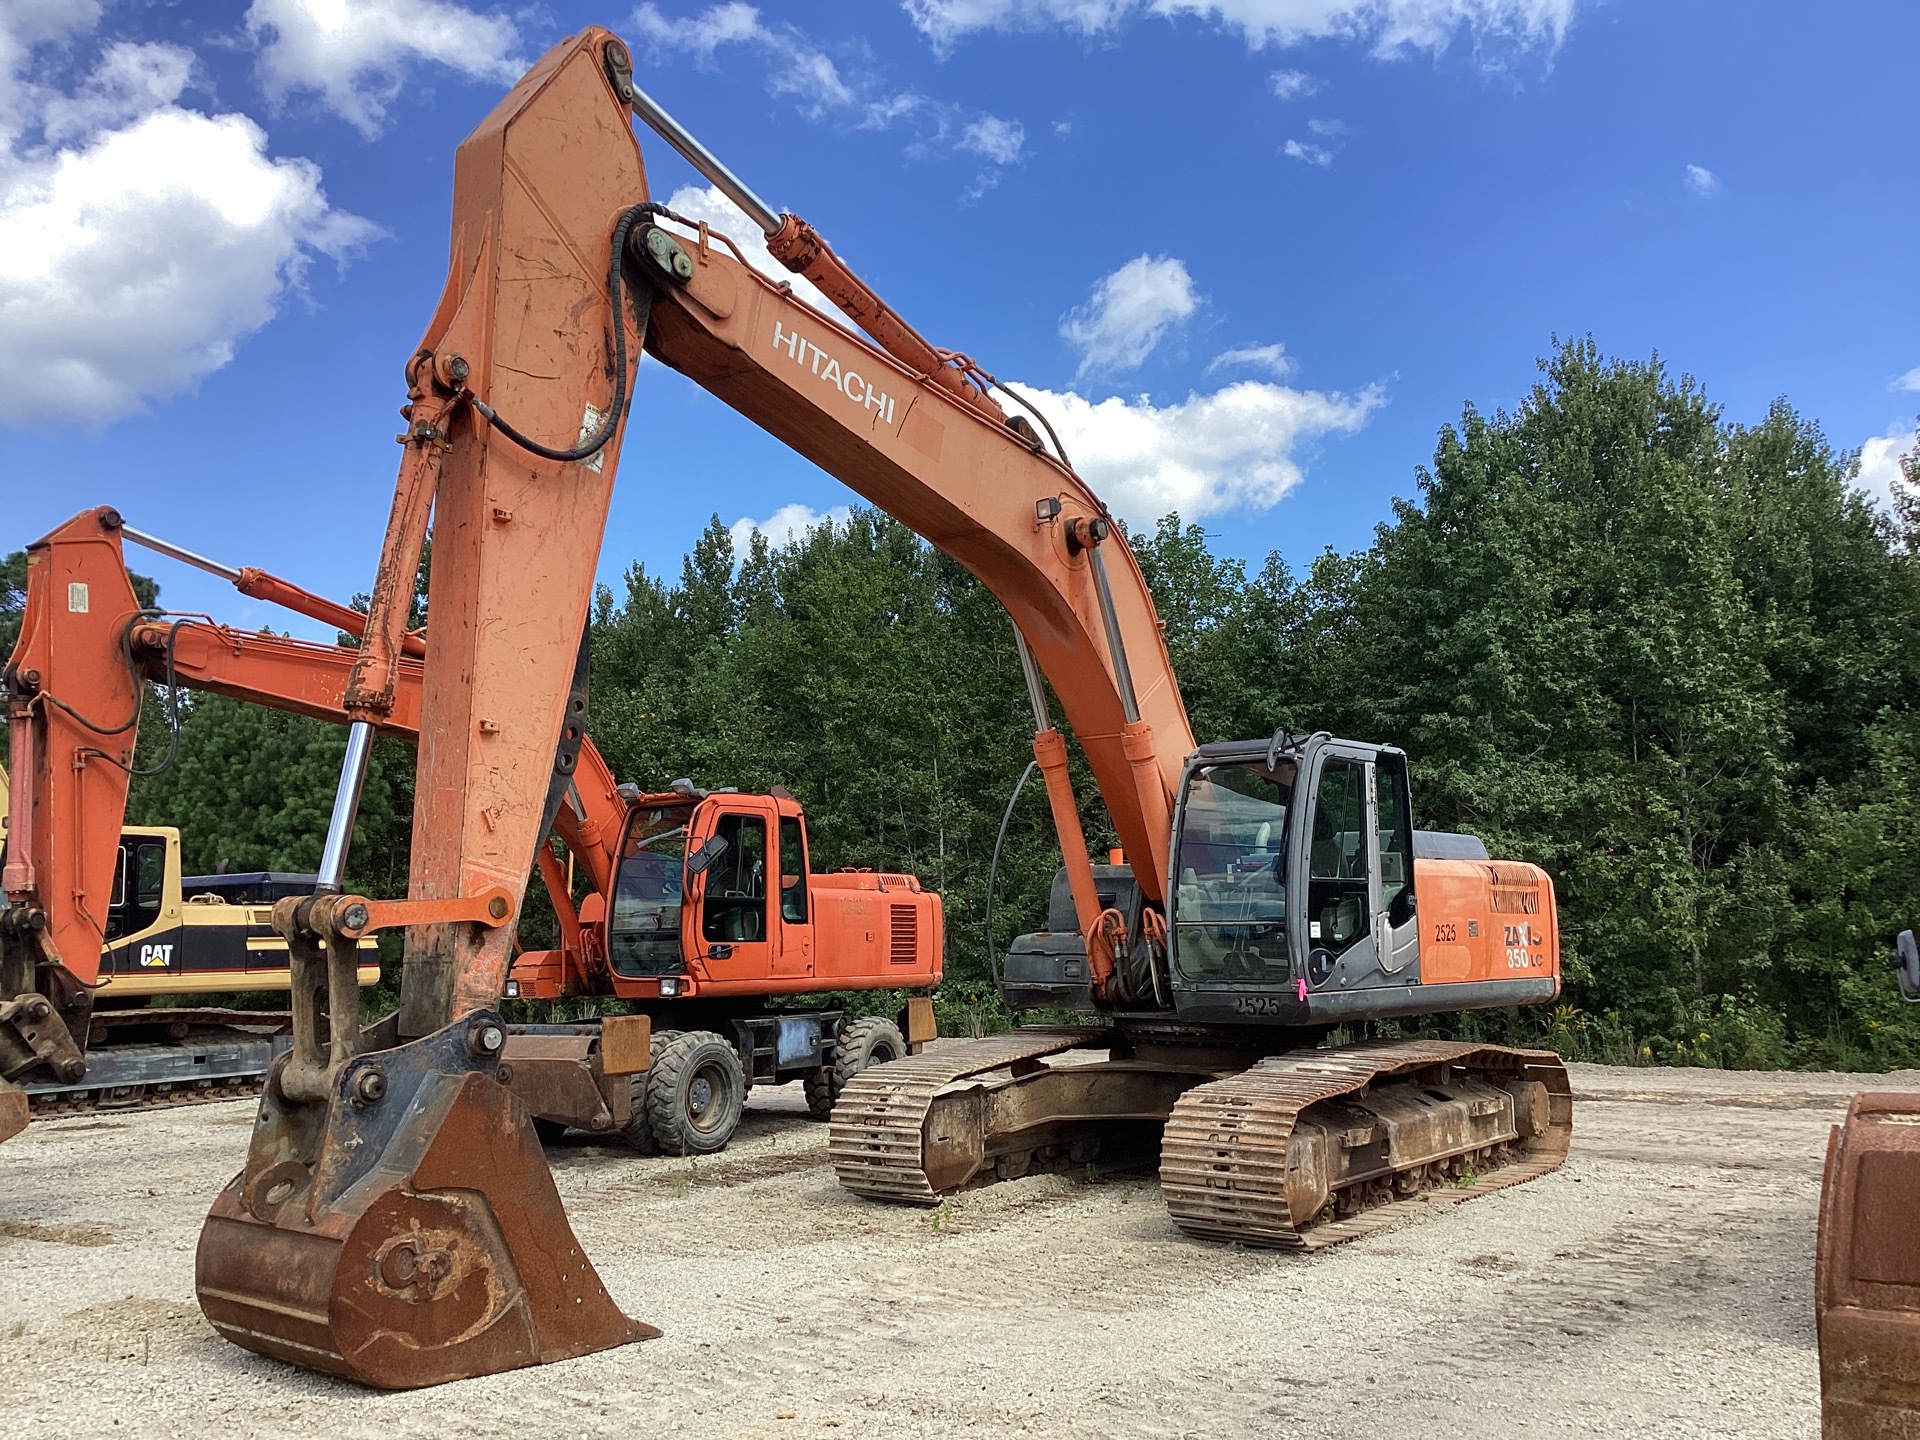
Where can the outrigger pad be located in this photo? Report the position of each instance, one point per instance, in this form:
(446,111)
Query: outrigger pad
(406,1233)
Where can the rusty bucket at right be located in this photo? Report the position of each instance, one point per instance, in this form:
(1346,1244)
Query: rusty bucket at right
(1867,1272)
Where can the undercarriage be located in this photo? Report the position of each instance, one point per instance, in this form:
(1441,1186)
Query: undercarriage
(1295,1150)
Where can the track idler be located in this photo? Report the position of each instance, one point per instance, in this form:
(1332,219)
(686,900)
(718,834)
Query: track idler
(396,1223)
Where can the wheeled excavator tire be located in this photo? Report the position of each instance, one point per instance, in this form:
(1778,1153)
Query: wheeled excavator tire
(870,1040)
(638,1131)
(696,1091)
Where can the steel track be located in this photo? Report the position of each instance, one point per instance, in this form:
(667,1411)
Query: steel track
(1224,1150)
(875,1139)
(213,1065)
(1223,1155)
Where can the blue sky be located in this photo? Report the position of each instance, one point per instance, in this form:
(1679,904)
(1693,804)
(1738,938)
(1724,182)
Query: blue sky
(1252,253)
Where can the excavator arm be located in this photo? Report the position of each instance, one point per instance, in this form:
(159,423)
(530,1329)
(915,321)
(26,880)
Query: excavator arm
(73,663)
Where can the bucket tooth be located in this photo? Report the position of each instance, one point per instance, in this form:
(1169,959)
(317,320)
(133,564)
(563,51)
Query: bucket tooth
(405,1231)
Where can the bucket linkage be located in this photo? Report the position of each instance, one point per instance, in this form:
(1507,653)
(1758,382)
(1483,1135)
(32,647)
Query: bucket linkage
(396,1222)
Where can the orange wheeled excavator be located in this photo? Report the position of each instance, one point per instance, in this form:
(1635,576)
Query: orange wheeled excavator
(702,970)
(395,1221)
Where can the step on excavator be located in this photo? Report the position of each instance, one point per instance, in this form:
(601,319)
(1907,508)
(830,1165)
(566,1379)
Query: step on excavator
(698,976)
(395,1221)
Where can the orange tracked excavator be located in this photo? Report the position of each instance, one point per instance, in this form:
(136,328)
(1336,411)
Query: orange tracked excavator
(395,1221)
(699,954)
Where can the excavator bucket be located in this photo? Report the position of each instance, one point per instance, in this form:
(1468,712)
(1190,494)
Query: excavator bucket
(1867,1272)
(407,1232)
(13,1110)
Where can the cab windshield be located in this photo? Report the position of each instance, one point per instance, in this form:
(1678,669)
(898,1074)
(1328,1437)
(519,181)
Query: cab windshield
(1230,897)
(643,930)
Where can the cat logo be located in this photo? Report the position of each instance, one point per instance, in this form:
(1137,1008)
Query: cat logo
(156,956)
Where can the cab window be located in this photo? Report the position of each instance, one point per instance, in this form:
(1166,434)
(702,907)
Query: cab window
(1230,905)
(736,899)
(793,871)
(1337,874)
(644,927)
(151,870)
(1396,837)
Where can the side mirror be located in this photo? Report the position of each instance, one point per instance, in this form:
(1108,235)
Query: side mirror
(1906,962)
(708,851)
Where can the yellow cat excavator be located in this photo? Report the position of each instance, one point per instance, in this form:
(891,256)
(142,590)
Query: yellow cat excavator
(395,1222)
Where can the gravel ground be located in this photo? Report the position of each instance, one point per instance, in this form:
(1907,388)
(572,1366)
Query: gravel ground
(1659,1283)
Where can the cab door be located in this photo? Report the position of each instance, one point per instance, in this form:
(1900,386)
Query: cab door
(734,929)
(1396,926)
(793,950)
(1361,928)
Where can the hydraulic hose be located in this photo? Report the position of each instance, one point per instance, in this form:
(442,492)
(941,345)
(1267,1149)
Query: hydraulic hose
(993,869)
(588,448)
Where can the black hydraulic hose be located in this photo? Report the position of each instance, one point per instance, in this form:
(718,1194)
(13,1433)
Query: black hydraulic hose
(139,688)
(586,449)
(173,702)
(993,869)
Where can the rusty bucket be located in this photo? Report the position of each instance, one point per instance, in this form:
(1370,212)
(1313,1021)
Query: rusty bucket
(1867,1272)
(407,1231)
(13,1110)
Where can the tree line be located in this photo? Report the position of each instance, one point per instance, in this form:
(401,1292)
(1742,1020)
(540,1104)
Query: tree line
(1668,656)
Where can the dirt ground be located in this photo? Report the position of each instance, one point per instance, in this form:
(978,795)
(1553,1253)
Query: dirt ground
(1659,1283)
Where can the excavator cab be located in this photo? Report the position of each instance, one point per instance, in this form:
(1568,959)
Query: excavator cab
(1293,880)
(1298,897)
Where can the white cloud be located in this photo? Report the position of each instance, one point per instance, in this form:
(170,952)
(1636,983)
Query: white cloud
(354,53)
(1701,180)
(1271,358)
(1234,449)
(129,81)
(140,241)
(1909,382)
(1328,136)
(1292,84)
(787,524)
(801,69)
(1129,312)
(1389,27)
(1001,141)
(1879,465)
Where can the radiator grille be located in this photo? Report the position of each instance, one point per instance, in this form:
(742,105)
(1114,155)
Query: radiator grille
(1516,889)
(906,935)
